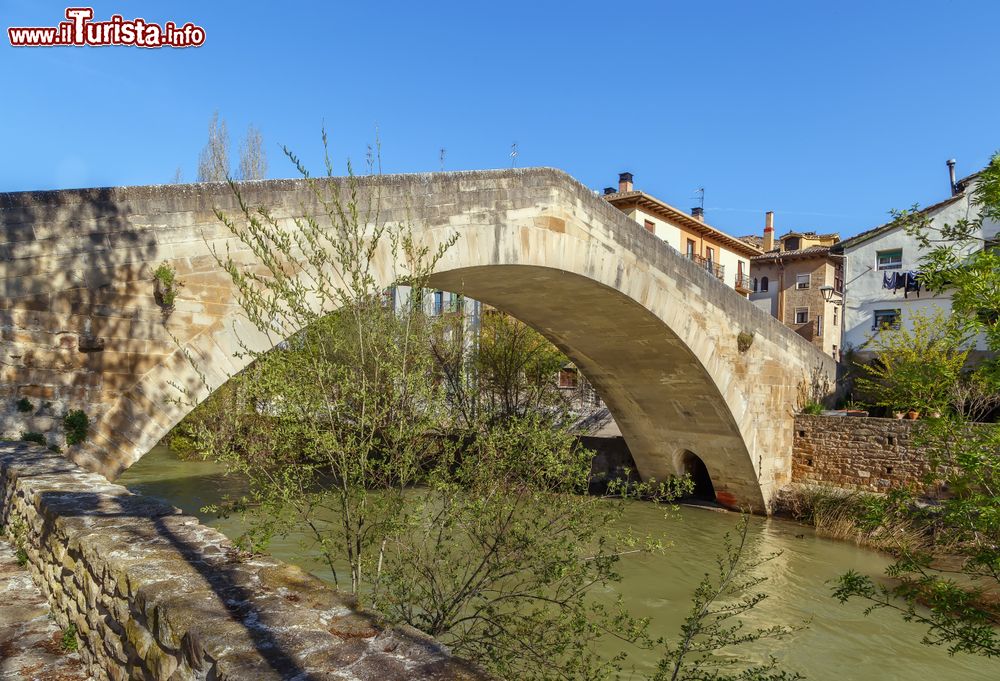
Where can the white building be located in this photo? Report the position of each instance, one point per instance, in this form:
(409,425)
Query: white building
(873,257)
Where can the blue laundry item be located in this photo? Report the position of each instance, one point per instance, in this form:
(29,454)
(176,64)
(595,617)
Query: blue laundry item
(911,283)
(900,281)
(889,280)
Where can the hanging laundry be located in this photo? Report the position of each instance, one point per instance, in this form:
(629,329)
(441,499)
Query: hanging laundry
(889,280)
(911,283)
(900,281)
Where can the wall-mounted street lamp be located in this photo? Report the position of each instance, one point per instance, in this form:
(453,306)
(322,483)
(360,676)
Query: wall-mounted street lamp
(827,292)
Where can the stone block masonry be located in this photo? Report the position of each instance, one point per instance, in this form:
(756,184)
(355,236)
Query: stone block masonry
(865,454)
(82,326)
(153,594)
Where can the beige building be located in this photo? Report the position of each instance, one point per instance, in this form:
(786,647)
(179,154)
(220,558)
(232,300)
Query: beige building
(723,256)
(800,282)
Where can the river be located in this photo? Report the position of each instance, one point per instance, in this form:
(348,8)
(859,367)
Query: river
(839,643)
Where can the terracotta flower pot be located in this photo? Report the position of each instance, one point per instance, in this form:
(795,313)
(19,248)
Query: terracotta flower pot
(913,414)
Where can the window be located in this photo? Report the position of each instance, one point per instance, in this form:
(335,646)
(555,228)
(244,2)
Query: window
(802,281)
(763,285)
(835,311)
(801,315)
(889,260)
(690,248)
(710,254)
(819,326)
(569,377)
(650,226)
(438,302)
(886,319)
(755,284)
(791,243)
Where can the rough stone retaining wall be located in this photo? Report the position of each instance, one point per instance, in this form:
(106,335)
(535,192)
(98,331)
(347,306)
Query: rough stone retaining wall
(153,594)
(867,454)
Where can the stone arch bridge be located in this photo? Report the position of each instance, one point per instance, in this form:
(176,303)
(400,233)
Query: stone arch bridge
(656,336)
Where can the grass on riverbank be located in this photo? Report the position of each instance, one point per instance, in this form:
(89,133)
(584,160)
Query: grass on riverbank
(869,520)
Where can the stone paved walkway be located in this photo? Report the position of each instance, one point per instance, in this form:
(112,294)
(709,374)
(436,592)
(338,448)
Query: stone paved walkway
(29,641)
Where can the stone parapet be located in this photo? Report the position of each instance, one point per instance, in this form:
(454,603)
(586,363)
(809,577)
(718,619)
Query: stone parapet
(154,594)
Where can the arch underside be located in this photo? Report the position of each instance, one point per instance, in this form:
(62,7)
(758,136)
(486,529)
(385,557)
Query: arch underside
(659,392)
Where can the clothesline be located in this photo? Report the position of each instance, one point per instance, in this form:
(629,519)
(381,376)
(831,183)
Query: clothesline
(908,281)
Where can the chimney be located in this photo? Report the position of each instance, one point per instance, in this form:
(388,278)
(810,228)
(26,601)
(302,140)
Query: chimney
(768,231)
(698,213)
(951,176)
(609,190)
(624,182)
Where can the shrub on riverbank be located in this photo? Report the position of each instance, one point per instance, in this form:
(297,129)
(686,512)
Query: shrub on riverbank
(885,523)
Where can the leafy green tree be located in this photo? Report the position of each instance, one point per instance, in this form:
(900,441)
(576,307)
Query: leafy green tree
(508,550)
(508,370)
(951,588)
(918,367)
(470,526)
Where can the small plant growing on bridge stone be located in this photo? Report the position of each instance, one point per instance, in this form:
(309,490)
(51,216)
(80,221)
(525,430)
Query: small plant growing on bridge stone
(16,532)
(744,339)
(165,286)
(37,438)
(24,405)
(77,425)
(68,642)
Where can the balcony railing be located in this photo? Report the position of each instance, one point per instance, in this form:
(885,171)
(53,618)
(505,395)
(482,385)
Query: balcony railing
(743,283)
(709,265)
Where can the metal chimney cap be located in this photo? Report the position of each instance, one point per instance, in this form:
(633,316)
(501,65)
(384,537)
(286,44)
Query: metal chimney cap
(950,163)
(625,177)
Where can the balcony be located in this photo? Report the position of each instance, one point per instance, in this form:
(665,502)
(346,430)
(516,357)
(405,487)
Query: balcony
(743,284)
(709,265)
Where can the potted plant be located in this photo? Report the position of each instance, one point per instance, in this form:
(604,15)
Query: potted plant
(898,415)
(913,415)
(855,408)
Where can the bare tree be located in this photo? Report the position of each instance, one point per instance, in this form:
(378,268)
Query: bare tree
(213,164)
(253,159)
(178,176)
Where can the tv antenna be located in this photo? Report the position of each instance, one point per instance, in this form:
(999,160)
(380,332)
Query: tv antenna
(699,194)
(513,155)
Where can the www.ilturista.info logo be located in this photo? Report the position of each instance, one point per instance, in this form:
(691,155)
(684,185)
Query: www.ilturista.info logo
(80,31)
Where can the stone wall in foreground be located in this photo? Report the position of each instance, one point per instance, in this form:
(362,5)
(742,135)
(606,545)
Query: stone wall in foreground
(154,594)
(866,454)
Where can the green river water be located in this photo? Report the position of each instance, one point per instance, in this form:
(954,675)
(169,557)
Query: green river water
(840,643)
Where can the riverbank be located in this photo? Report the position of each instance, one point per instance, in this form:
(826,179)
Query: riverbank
(852,516)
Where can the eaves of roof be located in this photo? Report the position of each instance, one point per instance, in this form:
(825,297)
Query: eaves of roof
(671,214)
(881,229)
(811,252)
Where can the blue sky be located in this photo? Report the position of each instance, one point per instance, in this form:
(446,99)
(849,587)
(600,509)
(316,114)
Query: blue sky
(829,113)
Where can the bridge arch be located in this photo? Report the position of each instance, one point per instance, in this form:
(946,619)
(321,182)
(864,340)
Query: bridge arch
(653,332)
